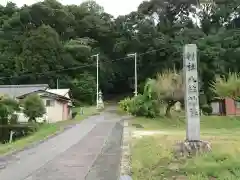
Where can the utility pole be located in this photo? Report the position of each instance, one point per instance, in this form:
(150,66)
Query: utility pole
(135,71)
(97,93)
(57,83)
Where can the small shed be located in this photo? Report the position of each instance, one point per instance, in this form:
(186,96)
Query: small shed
(225,106)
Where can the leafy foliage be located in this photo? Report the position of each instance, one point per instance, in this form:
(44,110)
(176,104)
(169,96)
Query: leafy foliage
(33,107)
(227,86)
(84,87)
(141,105)
(206,109)
(37,42)
(7,107)
(125,104)
(144,104)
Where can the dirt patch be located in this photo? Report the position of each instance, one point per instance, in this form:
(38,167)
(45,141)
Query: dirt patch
(140,134)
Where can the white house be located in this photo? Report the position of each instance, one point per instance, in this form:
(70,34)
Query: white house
(57,101)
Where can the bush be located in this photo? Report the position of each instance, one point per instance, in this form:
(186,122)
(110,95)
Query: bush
(140,105)
(207,109)
(145,104)
(20,130)
(125,104)
(7,108)
(33,107)
(136,107)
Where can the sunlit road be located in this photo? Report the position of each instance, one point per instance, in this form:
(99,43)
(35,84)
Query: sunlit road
(90,150)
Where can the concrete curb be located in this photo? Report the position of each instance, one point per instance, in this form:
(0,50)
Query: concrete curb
(125,166)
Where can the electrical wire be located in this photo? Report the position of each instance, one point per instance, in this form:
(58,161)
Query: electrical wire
(79,67)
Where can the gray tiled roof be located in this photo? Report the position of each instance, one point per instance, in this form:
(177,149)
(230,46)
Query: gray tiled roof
(18,90)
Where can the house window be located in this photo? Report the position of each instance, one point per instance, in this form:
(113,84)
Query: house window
(49,103)
(237,104)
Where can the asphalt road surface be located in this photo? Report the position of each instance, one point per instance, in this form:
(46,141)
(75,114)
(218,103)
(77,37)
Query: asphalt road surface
(90,150)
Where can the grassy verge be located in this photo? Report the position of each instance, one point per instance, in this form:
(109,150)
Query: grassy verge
(45,131)
(207,122)
(152,156)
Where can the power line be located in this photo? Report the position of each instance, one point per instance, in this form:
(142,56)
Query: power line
(82,66)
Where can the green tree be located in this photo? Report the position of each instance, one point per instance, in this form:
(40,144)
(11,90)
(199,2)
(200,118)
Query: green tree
(33,107)
(49,36)
(169,87)
(84,87)
(7,107)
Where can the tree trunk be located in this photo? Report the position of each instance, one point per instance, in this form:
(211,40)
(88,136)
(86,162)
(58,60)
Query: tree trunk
(32,120)
(168,109)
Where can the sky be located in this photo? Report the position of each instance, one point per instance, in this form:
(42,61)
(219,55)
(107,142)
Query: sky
(113,7)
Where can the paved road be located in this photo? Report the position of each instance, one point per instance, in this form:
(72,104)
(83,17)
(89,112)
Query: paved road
(86,151)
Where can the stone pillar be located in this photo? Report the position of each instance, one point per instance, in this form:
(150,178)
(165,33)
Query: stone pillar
(191,92)
(192,145)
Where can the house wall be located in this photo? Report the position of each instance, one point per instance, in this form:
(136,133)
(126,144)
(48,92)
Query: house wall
(56,112)
(69,112)
(237,109)
(215,107)
(218,107)
(65,111)
(231,108)
(60,110)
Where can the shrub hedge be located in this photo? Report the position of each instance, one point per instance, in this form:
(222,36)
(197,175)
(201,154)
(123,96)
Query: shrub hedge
(20,130)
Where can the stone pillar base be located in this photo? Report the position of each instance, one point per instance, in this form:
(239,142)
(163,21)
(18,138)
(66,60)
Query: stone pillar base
(191,148)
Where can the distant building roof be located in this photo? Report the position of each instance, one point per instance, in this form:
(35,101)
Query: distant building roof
(44,93)
(19,90)
(61,92)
